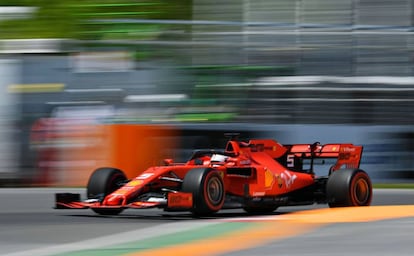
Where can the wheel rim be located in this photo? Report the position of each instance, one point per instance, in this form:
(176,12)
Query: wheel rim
(361,191)
(214,190)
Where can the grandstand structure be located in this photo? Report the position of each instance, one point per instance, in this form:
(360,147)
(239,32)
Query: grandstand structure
(348,61)
(317,37)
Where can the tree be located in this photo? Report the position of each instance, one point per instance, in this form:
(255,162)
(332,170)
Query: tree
(83,19)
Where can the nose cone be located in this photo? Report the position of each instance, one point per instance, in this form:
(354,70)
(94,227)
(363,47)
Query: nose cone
(114,200)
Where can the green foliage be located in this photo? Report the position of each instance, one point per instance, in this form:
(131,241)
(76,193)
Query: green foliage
(394,185)
(78,18)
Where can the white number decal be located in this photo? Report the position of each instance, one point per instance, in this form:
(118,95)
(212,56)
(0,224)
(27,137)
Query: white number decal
(290,161)
(145,176)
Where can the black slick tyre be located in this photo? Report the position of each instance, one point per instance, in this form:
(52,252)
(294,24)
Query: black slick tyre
(102,182)
(208,190)
(350,187)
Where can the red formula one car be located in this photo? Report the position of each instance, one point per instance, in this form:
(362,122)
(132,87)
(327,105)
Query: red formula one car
(258,176)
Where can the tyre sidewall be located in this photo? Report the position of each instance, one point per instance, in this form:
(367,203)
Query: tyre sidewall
(341,187)
(196,182)
(353,197)
(211,176)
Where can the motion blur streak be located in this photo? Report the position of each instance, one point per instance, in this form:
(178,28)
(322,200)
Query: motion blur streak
(195,62)
(353,214)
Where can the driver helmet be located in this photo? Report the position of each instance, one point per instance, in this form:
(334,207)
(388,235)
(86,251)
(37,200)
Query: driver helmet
(218,158)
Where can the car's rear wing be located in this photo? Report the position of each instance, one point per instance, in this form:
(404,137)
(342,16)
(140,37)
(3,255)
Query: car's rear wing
(348,155)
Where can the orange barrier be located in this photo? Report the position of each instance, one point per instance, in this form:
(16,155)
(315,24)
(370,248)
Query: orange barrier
(68,154)
(134,148)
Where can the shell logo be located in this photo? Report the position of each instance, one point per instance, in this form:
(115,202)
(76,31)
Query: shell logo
(279,181)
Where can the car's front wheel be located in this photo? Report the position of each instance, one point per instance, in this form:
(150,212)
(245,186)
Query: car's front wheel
(102,182)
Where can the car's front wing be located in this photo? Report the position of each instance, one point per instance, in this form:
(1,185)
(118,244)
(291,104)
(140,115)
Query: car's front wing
(177,200)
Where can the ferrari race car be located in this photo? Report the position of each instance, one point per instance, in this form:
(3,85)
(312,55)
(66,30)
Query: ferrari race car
(258,176)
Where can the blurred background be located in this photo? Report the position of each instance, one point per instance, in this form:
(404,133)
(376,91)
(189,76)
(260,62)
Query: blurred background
(87,83)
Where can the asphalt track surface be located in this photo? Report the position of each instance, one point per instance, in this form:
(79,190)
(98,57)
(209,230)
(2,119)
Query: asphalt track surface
(30,226)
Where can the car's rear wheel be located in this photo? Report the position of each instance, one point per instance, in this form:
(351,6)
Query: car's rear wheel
(102,182)
(349,188)
(208,190)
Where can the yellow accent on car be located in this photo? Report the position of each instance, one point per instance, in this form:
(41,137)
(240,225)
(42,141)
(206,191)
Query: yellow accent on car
(135,183)
(269,178)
